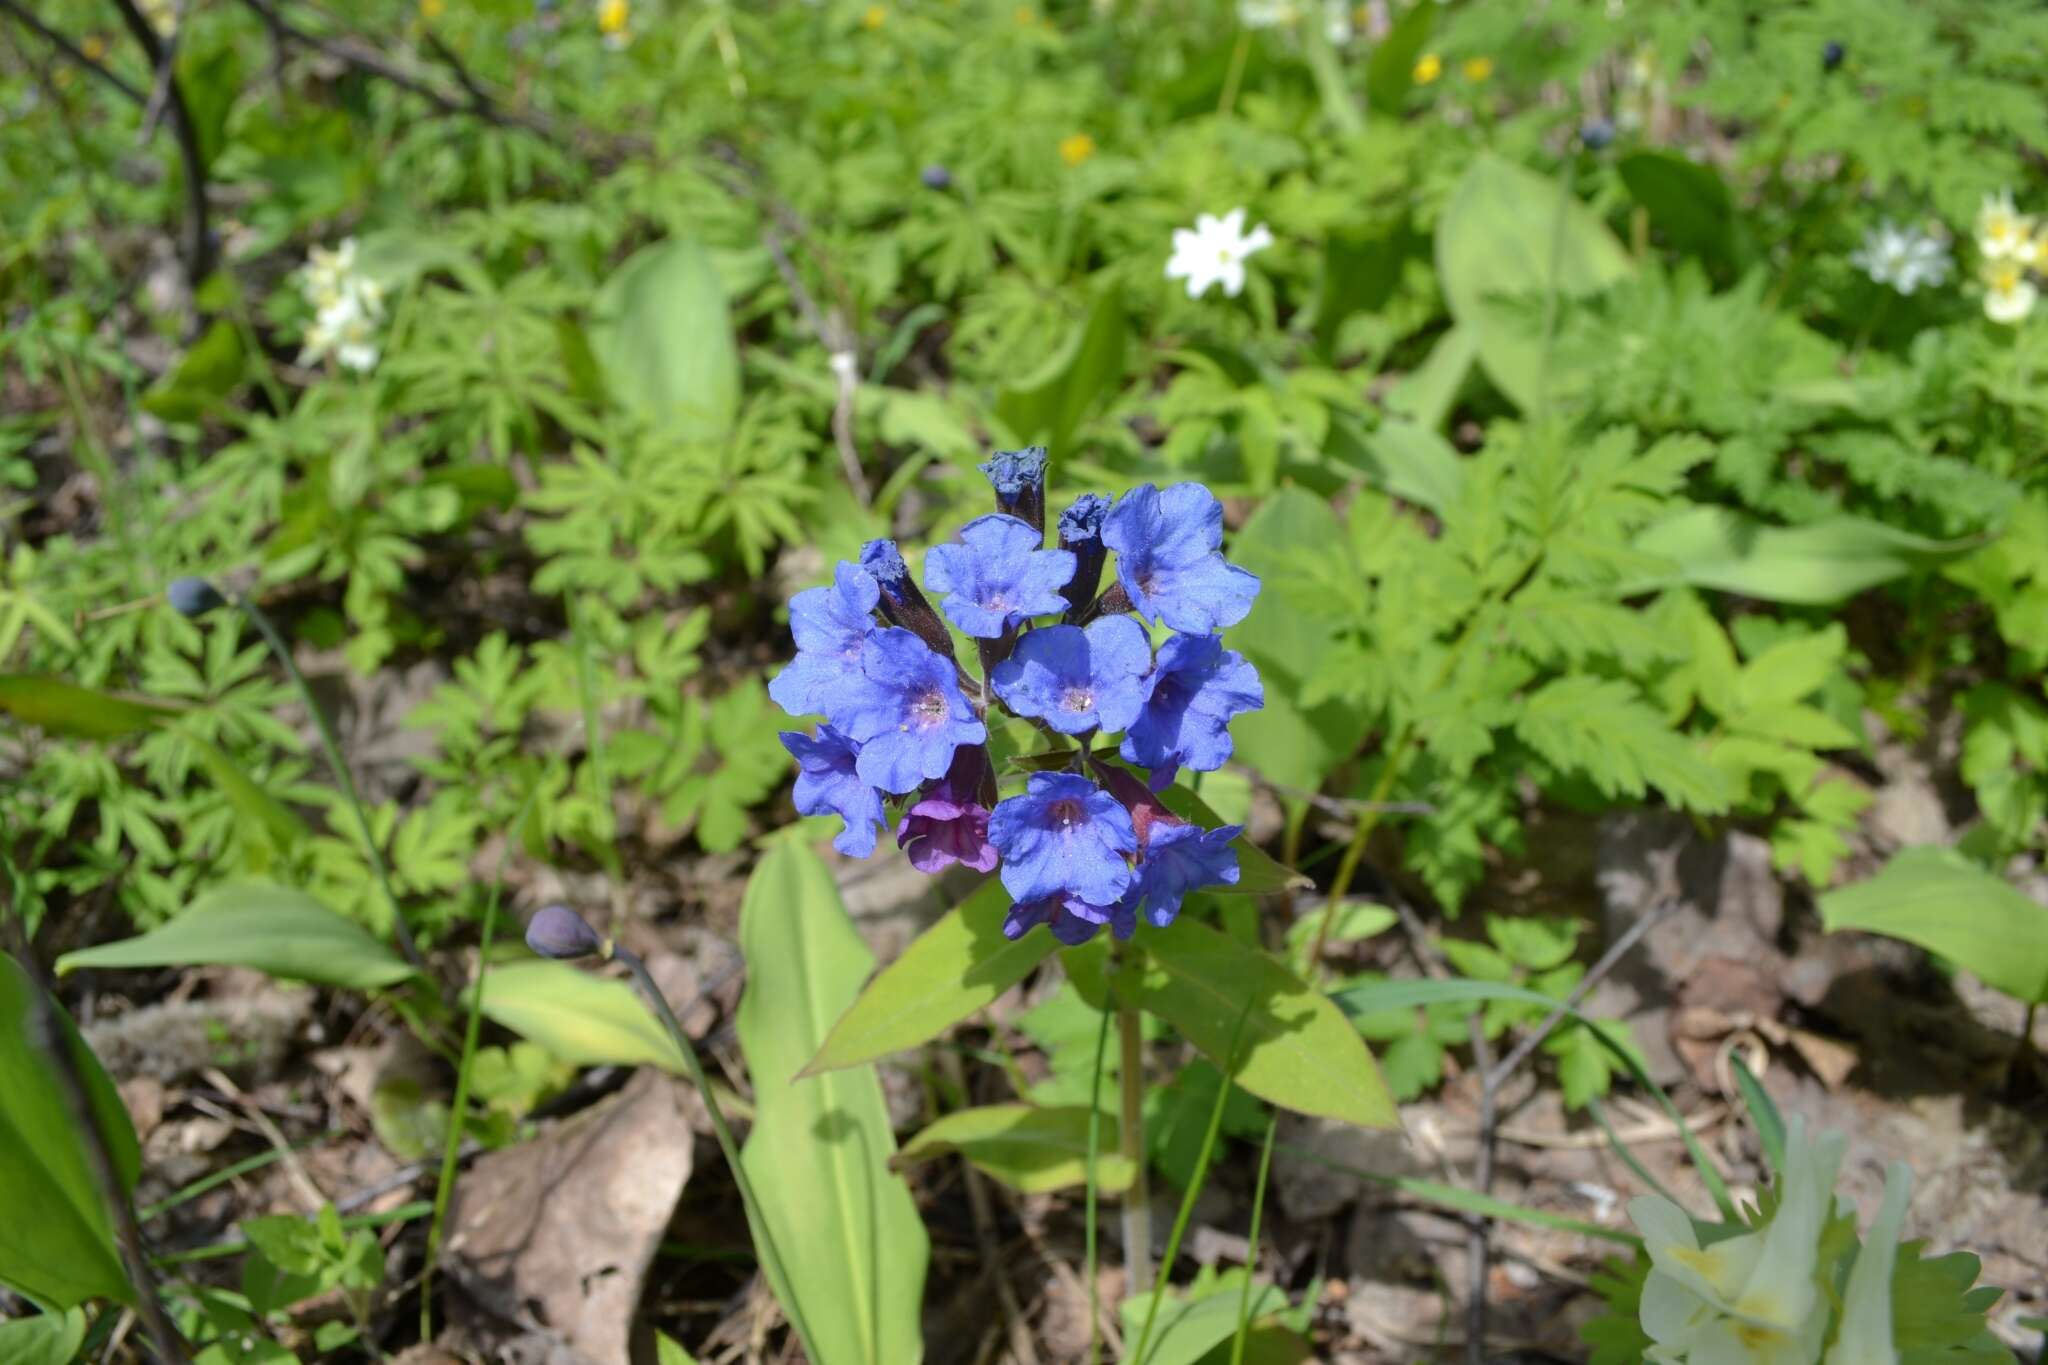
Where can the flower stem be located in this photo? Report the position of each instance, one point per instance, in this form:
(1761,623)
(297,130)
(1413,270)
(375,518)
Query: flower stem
(1137,1212)
(332,748)
(771,1257)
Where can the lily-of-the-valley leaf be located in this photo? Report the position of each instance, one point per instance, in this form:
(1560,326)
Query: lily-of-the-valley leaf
(1029,1148)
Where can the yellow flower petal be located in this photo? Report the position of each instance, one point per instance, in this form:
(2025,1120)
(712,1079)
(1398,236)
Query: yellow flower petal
(1428,68)
(874,18)
(1076,149)
(1478,69)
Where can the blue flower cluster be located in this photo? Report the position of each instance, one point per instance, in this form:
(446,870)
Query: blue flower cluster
(1080,848)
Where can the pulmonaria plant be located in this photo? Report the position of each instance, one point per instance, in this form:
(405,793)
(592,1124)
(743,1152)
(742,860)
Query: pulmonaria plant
(1082,842)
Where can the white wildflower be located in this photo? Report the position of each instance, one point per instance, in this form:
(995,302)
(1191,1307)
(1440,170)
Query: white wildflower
(1865,1337)
(2003,232)
(1903,258)
(348,305)
(1214,252)
(1288,13)
(2009,295)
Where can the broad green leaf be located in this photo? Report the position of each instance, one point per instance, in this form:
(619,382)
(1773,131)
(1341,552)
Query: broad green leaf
(1026,1147)
(661,331)
(1356,919)
(1390,71)
(1293,1047)
(1049,404)
(1425,395)
(959,965)
(274,929)
(1823,562)
(77,712)
(1687,201)
(1258,873)
(1507,240)
(201,378)
(1183,1333)
(583,1019)
(47,1339)
(853,1246)
(56,1238)
(1791,669)
(1942,901)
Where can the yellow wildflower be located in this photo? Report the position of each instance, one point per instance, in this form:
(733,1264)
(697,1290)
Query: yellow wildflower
(93,46)
(431,10)
(1428,68)
(874,18)
(1076,149)
(1026,16)
(1478,69)
(614,21)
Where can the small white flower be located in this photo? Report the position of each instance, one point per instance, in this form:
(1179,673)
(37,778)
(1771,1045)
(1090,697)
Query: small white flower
(1865,1337)
(1903,258)
(1288,13)
(2003,233)
(2008,294)
(1214,252)
(347,305)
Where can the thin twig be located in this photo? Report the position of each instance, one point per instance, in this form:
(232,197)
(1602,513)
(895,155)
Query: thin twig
(1491,1079)
(834,336)
(56,1041)
(69,50)
(160,89)
(198,236)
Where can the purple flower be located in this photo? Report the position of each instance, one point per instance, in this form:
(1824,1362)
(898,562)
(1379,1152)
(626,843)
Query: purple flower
(1072,921)
(905,711)
(830,625)
(558,932)
(997,575)
(902,604)
(1178,858)
(1064,837)
(1081,533)
(1168,561)
(949,823)
(1018,476)
(1195,687)
(1077,680)
(828,782)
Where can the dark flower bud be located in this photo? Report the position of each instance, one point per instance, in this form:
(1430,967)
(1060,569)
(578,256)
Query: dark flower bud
(1831,55)
(560,933)
(193,596)
(936,177)
(1596,134)
(1018,476)
(1081,533)
(901,602)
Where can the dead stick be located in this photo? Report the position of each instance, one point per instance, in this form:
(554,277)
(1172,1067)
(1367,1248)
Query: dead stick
(198,236)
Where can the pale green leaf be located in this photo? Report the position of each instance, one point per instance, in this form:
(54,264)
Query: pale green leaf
(67,709)
(1027,1147)
(661,331)
(1939,899)
(1823,562)
(582,1019)
(275,929)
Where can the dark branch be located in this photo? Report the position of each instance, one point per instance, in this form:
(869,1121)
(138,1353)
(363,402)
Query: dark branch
(70,50)
(198,235)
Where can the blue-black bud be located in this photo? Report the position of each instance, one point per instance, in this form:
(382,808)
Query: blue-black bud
(1081,533)
(1596,134)
(901,602)
(1831,55)
(1018,476)
(193,596)
(560,933)
(936,177)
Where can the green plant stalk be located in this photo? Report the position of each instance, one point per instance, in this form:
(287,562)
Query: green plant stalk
(1092,1195)
(1251,1258)
(332,748)
(1137,1208)
(1187,1204)
(756,1215)
(1235,75)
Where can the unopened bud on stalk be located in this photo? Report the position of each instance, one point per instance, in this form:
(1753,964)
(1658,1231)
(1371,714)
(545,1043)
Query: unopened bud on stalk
(560,933)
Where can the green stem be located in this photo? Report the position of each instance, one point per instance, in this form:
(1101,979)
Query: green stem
(1137,1211)
(1231,79)
(1089,1264)
(332,748)
(756,1215)
(1251,1255)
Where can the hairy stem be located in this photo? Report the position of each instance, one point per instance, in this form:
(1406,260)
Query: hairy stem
(1137,1212)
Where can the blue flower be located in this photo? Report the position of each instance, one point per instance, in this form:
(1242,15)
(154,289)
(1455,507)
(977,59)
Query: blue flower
(1018,476)
(1194,689)
(997,575)
(1081,533)
(1178,858)
(902,604)
(1072,921)
(1064,836)
(1168,561)
(828,782)
(905,711)
(830,625)
(1076,679)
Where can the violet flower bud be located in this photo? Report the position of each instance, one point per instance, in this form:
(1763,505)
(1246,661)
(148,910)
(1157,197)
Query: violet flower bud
(1018,476)
(902,603)
(936,177)
(191,597)
(1080,533)
(558,932)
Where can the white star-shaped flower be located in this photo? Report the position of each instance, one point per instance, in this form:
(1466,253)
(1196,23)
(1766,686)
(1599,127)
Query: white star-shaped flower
(2003,232)
(1903,258)
(2008,294)
(1214,252)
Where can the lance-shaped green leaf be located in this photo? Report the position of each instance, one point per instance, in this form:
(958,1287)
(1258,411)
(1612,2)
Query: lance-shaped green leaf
(1026,1147)
(582,1019)
(852,1246)
(662,333)
(1293,1047)
(1825,561)
(65,708)
(272,928)
(1939,899)
(56,1238)
(959,965)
